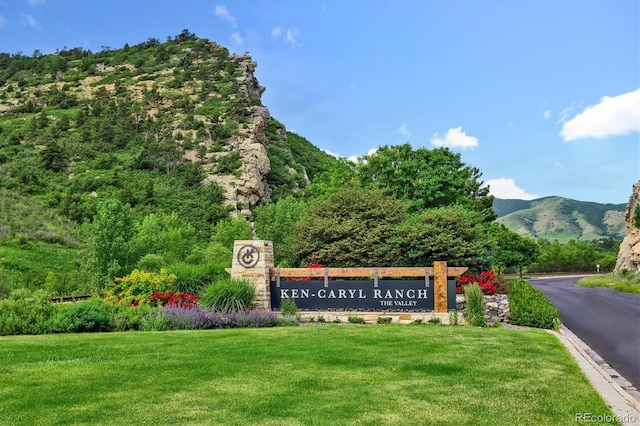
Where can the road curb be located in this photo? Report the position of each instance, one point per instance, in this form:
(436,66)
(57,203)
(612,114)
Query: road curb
(624,403)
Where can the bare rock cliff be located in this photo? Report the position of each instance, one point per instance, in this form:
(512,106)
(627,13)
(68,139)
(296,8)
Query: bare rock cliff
(629,253)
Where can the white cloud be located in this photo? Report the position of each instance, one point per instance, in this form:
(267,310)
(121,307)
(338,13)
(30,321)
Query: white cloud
(547,114)
(355,159)
(292,36)
(512,126)
(455,138)
(29,20)
(333,154)
(404,131)
(613,116)
(222,12)
(565,113)
(237,39)
(507,189)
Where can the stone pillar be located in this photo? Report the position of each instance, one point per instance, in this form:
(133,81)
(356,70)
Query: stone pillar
(251,261)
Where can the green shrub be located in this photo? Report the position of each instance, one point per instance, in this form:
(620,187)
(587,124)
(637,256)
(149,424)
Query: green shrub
(83,317)
(26,312)
(155,323)
(288,321)
(229,295)
(193,279)
(288,307)
(151,262)
(214,253)
(355,320)
(126,317)
(529,307)
(384,320)
(434,320)
(474,312)
(139,286)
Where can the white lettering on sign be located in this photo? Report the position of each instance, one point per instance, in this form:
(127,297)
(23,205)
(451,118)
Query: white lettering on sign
(385,298)
(400,294)
(294,293)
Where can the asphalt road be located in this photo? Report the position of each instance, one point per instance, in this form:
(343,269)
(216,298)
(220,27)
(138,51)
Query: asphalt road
(606,320)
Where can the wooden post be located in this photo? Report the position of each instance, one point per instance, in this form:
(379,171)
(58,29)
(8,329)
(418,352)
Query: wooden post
(440,286)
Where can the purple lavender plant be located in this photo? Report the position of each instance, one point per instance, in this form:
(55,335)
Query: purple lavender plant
(181,318)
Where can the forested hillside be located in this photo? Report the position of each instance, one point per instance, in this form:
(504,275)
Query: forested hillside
(172,129)
(156,157)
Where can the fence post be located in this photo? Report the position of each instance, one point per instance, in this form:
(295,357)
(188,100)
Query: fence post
(251,261)
(440,286)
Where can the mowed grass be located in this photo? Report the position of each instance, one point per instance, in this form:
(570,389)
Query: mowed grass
(626,284)
(317,375)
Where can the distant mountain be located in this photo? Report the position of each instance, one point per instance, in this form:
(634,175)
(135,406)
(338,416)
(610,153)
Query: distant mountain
(562,219)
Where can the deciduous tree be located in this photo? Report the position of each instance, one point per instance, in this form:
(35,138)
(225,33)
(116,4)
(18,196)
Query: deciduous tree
(350,228)
(426,178)
(111,231)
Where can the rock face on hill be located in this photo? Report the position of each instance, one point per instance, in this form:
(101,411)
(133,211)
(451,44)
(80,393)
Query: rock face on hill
(249,187)
(629,254)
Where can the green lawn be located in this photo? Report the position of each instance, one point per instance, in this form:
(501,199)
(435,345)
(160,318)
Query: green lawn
(628,283)
(314,375)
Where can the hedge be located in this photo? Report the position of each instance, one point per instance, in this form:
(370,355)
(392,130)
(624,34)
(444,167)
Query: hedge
(529,307)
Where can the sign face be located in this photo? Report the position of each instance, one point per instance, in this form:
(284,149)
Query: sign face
(388,295)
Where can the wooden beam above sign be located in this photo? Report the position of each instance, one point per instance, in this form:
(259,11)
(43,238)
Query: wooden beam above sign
(361,272)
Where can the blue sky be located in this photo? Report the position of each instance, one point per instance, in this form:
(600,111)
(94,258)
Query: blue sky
(542,96)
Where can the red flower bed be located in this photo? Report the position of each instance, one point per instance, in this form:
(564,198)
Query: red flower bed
(486,280)
(174,300)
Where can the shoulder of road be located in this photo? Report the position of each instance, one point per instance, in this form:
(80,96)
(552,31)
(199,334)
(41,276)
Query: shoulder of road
(619,394)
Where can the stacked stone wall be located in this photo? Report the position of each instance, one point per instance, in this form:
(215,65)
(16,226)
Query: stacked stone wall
(496,307)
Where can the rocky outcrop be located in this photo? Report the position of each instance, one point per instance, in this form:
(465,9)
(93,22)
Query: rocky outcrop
(629,253)
(248,187)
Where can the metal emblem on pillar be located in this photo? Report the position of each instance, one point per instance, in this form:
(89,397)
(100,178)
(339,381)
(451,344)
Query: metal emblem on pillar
(248,256)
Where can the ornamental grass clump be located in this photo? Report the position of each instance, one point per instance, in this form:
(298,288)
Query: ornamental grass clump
(194,279)
(229,295)
(474,313)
